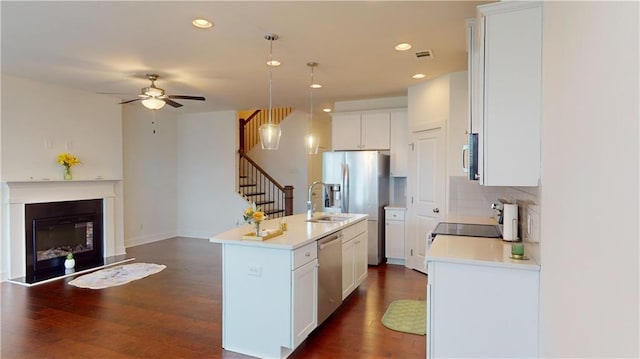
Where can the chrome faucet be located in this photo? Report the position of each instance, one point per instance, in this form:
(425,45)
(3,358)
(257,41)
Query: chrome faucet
(309,205)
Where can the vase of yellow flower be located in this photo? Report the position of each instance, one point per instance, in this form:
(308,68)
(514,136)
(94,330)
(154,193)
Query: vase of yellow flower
(68,160)
(254,215)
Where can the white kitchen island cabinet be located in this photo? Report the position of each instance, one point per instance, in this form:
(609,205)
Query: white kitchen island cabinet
(354,257)
(481,303)
(270,288)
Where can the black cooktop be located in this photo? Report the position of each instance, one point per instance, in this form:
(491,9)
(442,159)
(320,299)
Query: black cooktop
(464,229)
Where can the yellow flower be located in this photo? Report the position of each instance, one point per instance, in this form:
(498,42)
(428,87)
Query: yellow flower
(254,214)
(67,159)
(258,216)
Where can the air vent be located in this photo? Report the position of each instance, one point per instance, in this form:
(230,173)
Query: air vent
(424,54)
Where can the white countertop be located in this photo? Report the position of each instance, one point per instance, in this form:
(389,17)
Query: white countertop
(299,231)
(476,250)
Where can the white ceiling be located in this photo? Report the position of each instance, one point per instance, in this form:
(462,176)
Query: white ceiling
(110,46)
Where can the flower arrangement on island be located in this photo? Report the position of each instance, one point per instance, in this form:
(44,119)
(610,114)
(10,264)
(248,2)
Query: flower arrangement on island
(254,215)
(68,160)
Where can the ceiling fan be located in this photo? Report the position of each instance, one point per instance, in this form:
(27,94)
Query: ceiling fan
(154,98)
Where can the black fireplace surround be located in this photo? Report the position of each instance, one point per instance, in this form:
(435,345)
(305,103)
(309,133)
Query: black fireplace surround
(56,229)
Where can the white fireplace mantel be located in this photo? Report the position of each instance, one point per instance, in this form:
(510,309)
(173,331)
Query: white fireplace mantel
(16,194)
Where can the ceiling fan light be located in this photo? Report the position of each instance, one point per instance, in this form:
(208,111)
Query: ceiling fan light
(270,136)
(311,144)
(153,103)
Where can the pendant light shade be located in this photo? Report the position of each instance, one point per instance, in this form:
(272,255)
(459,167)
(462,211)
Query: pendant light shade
(310,141)
(270,132)
(311,144)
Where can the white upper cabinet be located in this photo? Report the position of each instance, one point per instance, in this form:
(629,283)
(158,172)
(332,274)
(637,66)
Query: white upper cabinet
(361,131)
(399,143)
(508,94)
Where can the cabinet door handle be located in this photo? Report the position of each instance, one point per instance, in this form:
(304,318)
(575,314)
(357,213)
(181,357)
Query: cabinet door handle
(436,210)
(465,168)
(308,254)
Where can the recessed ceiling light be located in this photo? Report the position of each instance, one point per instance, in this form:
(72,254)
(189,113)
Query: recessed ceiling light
(326,109)
(315,86)
(202,23)
(403,46)
(273,63)
(419,76)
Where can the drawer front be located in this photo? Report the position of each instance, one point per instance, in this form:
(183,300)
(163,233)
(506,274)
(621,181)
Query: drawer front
(395,214)
(352,231)
(304,255)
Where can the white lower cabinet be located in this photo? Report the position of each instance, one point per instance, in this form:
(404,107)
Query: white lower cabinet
(348,264)
(481,311)
(305,301)
(394,235)
(354,257)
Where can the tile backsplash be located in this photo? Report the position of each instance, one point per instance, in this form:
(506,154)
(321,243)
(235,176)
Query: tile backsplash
(468,198)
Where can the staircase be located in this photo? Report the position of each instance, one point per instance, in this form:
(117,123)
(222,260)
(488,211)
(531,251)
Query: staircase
(255,184)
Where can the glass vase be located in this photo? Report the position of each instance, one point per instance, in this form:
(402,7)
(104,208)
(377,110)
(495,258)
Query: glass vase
(258,229)
(67,173)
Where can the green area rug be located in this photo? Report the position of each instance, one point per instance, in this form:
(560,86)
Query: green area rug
(405,315)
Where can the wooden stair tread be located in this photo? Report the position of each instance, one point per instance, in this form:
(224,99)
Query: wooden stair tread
(273,211)
(254,194)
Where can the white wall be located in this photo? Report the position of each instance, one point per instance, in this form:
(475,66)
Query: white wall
(41,120)
(150,174)
(589,182)
(428,103)
(288,164)
(206,170)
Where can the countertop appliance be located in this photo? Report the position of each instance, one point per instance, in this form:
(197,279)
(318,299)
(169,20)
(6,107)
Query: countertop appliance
(358,182)
(329,275)
(466,229)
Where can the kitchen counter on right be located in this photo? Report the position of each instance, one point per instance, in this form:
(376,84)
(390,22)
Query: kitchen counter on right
(476,250)
(479,296)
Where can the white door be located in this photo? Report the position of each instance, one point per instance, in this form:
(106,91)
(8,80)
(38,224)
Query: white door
(426,189)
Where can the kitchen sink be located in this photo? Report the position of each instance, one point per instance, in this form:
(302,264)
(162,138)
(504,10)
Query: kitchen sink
(329,219)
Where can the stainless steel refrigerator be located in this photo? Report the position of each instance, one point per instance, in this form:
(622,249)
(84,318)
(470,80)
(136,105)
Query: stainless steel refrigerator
(358,182)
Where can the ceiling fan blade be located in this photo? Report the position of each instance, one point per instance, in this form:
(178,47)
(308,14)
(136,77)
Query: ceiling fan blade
(183,97)
(171,102)
(135,99)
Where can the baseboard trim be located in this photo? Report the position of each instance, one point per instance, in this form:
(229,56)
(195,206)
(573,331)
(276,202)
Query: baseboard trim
(136,241)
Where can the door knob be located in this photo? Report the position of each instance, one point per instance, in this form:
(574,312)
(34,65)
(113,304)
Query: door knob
(436,210)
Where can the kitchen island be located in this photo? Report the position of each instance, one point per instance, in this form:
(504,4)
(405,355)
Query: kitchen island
(270,287)
(480,302)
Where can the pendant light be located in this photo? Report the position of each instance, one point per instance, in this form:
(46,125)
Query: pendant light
(310,141)
(270,132)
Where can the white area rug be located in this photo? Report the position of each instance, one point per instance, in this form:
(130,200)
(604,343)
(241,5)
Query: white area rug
(116,275)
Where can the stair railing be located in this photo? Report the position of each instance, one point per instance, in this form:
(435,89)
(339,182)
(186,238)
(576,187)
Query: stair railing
(259,187)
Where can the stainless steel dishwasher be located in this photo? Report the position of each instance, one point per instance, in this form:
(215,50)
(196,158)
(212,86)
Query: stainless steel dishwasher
(329,275)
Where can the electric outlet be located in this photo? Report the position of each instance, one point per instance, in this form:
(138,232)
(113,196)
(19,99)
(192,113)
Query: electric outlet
(255,270)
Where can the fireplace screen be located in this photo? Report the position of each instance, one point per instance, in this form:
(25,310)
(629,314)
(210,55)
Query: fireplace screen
(59,237)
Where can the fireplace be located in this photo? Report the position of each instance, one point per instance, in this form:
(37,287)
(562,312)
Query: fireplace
(55,229)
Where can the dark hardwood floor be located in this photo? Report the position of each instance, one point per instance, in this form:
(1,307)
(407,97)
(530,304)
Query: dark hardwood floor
(177,313)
